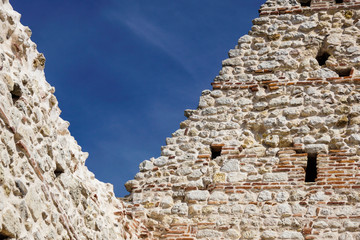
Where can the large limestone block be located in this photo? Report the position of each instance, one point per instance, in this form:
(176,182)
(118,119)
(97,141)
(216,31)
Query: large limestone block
(198,195)
(275,177)
(316,148)
(208,234)
(34,203)
(231,166)
(291,235)
(10,224)
(218,196)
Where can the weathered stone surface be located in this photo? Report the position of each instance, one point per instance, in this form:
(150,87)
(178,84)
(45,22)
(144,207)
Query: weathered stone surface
(275,177)
(269,235)
(231,166)
(11,226)
(21,186)
(234,177)
(271,152)
(46,191)
(198,195)
(264,196)
(34,202)
(291,235)
(146,166)
(208,234)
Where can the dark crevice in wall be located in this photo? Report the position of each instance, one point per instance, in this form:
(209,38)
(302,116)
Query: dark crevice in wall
(311,168)
(322,57)
(343,72)
(4,236)
(305,3)
(339,1)
(16,93)
(215,152)
(59,170)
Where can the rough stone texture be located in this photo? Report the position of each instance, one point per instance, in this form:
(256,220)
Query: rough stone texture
(288,94)
(46,192)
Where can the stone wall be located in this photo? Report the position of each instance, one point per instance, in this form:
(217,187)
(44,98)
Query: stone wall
(272,152)
(46,192)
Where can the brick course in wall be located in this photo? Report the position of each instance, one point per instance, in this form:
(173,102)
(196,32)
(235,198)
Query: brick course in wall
(271,152)
(236,169)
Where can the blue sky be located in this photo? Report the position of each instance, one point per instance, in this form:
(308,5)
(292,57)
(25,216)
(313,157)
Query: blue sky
(125,70)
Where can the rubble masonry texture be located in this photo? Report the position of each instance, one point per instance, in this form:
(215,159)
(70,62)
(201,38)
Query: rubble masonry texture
(46,192)
(238,167)
(289,93)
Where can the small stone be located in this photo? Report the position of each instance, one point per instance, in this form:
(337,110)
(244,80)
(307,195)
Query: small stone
(351,226)
(269,65)
(309,139)
(348,14)
(161,161)
(10,224)
(21,186)
(231,166)
(224,101)
(267,235)
(218,196)
(129,185)
(146,166)
(280,101)
(196,174)
(216,93)
(320,224)
(249,235)
(284,210)
(45,131)
(219,177)
(195,209)
(324,139)
(342,122)
(245,39)
(39,61)
(234,177)
(260,106)
(207,233)
(291,113)
(251,209)
(282,197)
(354,138)
(232,234)
(291,235)
(272,140)
(264,196)
(318,196)
(345,236)
(34,203)
(274,37)
(307,26)
(167,202)
(180,209)
(9,82)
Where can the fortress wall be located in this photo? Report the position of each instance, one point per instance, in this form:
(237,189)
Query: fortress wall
(272,151)
(46,191)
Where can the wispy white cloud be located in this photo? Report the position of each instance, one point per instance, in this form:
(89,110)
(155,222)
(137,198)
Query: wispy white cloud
(170,43)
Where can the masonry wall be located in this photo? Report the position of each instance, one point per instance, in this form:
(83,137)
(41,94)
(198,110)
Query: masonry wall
(237,168)
(46,192)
